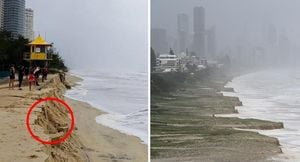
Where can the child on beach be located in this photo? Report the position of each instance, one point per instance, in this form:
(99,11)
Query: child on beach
(31,80)
(12,76)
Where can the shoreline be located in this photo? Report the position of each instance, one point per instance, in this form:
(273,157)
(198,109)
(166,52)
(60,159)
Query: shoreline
(89,141)
(94,136)
(90,133)
(288,154)
(77,81)
(228,89)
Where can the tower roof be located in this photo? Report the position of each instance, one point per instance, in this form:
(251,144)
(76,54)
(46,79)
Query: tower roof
(39,41)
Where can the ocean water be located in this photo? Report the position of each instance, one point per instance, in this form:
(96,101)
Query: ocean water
(123,96)
(272,95)
(4,74)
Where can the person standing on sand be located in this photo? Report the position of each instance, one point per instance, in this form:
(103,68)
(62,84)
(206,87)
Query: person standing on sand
(36,73)
(31,80)
(27,70)
(12,73)
(21,74)
(44,73)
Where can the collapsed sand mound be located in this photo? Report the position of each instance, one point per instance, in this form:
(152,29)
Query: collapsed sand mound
(55,122)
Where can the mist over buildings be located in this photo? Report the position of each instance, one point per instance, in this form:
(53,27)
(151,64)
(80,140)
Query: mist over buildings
(96,34)
(265,32)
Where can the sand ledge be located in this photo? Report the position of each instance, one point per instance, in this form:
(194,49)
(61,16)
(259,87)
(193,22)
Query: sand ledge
(185,125)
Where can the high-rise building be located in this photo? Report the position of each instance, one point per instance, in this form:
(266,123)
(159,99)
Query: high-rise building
(199,31)
(271,34)
(183,31)
(14,16)
(159,41)
(1,13)
(29,33)
(284,46)
(211,42)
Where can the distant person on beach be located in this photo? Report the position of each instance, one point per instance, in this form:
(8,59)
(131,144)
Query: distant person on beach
(31,80)
(21,74)
(36,74)
(44,73)
(27,70)
(12,75)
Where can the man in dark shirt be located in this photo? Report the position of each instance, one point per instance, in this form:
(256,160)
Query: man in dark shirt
(21,74)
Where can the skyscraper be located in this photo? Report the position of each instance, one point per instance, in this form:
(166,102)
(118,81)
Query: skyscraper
(199,31)
(211,42)
(1,13)
(271,34)
(159,41)
(14,16)
(183,31)
(29,34)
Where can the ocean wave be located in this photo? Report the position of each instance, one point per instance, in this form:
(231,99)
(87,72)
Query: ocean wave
(124,96)
(272,95)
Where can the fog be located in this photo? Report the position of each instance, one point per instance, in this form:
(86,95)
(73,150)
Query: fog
(96,34)
(268,29)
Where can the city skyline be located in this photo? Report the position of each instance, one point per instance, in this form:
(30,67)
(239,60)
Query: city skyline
(243,28)
(200,41)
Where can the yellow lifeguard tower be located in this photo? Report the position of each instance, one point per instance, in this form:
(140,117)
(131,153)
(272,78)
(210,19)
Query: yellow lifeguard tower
(38,50)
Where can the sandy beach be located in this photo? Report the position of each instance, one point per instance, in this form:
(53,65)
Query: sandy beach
(89,141)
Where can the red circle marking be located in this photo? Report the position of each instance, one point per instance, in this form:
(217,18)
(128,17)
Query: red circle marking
(50,142)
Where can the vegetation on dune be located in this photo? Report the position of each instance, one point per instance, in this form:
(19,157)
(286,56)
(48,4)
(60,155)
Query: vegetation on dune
(12,49)
(153,59)
(168,82)
(57,62)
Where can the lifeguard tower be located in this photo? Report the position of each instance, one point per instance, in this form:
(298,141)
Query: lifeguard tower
(38,51)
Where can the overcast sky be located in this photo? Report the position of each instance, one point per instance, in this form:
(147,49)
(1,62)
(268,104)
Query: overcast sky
(102,34)
(233,19)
